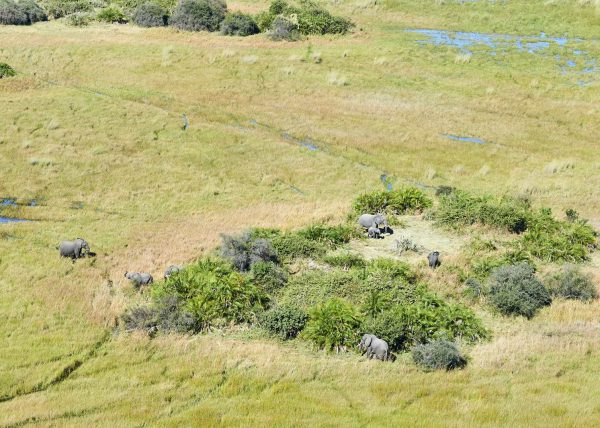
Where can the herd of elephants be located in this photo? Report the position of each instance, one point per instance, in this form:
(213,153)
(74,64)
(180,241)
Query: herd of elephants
(374,224)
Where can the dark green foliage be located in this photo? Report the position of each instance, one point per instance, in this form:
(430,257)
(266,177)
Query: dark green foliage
(60,8)
(150,15)
(129,6)
(473,288)
(239,24)
(6,70)
(79,19)
(345,260)
(333,325)
(278,7)
(199,15)
(264,20)
(483,266)
(460,208)
(269,276)
(332,236)
(245,250)
(438,355)
(388,271)
(214,293)
(166,314)
(292,245)
(553,240)
(444,190)
(33,11)
(571,283)
(395,202)
(286,322)
(111,15)
(313,287)
(12,14)
(572,215)
(515,290)
(313,19)
(283,29)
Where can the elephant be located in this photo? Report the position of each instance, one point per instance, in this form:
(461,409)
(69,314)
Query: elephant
(374,232)
(362,346)
(376,347)
(434,259)
(73,249)
(139,278)
(372,220)
(171,270)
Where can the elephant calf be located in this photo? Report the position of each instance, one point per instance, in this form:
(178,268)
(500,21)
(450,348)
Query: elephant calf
(434,259)
(73,249)
(374,232)
(171,270)
(139,279)
(375,347)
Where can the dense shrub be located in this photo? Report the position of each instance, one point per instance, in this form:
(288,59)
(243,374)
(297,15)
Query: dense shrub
(515,290)
(60,8)
(313,19)
(460,208)
(331,236)
(6,70)
(245,250)
(395,202)
(33,11)
(112,15)
(557,241)
(12,14)
(79,19)
(239,24)
(283,29)
(264,20)
(438,355)
(389,271)
(333,325)
(150,15)
(286,322)
(166,314)
(269,276)
(129,6)
(473,288)
(444,190)
(483,266)
(214,293)
(199,15)
(345,260)
(292,245)
(314,287)
(571,283)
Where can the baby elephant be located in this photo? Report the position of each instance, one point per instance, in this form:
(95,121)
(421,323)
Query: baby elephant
(375,347)
(374,232)
(171,270)
(434,259)
(139,279)
(73,249)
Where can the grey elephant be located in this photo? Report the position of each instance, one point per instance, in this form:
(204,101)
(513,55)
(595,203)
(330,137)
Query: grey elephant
(171,270)
(374,232)
(362,346)
(377,348)
(139,278)
(73,249)
(372,220)
(434,259)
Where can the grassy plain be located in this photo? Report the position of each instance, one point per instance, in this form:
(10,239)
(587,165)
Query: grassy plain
(91,129)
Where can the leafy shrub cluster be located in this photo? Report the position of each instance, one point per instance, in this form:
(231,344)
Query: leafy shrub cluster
(332,236)
(291,245)
(515,290)
(6,70)
(345,260)
(286,322)
(333,325)
(269,276)
(286,21)
(79,19)
(245,250)
(129,6)
(23,12)
(60,8)
(395,202)
(167,314)
(199,15)
(571,283)
(111,15)
(150,15)
(239,24)
(438,355)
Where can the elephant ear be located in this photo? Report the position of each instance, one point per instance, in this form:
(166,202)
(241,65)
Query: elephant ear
(368,341)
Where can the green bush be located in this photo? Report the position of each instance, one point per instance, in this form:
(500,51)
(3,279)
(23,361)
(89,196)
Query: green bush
(239,24)
(12,14)
(313,19)
(269,276)
(438,355)
(245,250)
(345,260)
(150,15)
(515,290)
(395,202)
(571,283)
(59,8)
(79,19)
(333,325)
(111,15)
(166,314)
(199,15)
(283,29)
(332,236)
(6,70)
(264,20)
(553,240)
(129,6)
(33,11)
(314,287)
(389,271)
(292,245)
(214,293)
(460,208)
(285,322)
(483,266)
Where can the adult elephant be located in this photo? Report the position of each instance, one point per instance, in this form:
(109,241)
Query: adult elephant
(372,220)
(73,249)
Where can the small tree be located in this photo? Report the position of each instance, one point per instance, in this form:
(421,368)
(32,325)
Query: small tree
(572,283)
(245,250)
(438,355)
(333,325)
(12,14)
(6,70)
(199,15)
(150,15)
(286,322)
(239,24)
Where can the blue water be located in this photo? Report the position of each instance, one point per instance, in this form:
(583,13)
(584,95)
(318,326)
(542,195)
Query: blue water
(8,202)
(308,143)
(386,181)
(11,220)
(572,62)
(464,139)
